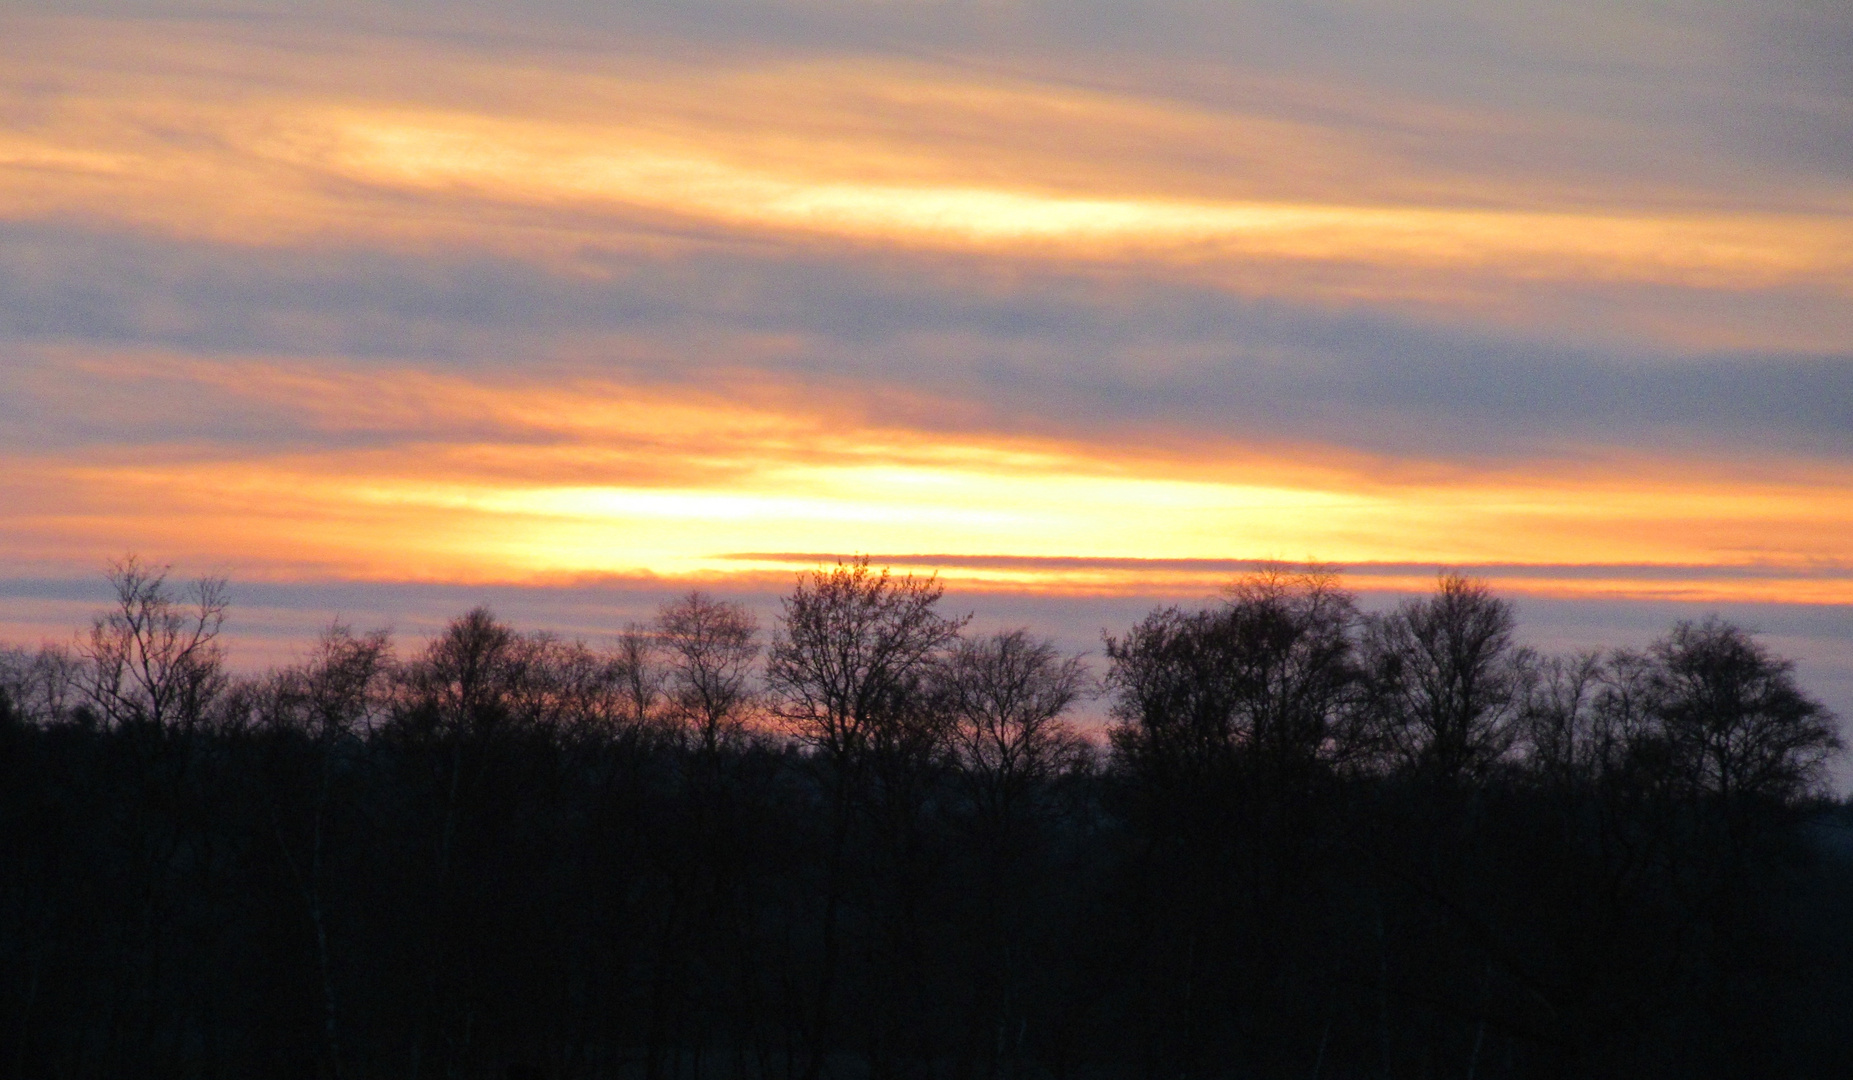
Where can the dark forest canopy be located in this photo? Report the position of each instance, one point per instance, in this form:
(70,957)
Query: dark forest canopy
(866,842)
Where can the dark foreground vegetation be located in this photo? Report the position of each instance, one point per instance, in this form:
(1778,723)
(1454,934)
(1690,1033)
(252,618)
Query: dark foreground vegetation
(1317,844)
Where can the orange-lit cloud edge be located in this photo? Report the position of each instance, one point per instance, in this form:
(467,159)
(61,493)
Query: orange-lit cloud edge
(565,481)
(220,134)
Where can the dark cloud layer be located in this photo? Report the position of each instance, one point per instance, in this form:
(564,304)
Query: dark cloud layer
(1058,352)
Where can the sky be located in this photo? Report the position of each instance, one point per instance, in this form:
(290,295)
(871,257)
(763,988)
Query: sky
(384,309)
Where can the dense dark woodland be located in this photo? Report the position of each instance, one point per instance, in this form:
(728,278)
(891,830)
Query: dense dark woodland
(1319,844)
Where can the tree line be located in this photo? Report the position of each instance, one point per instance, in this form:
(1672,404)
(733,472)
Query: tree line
(869,843)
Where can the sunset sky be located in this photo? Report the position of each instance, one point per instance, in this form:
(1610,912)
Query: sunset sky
(382,309)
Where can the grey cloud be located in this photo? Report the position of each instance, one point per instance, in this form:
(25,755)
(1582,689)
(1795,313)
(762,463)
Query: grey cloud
(1715,87)
(1801,105)
(1042,350)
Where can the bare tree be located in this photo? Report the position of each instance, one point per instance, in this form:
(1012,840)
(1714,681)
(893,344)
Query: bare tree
(456,696)
(711,646)
(849,642)
(1445,681)
(1006,695)
(846,660)
(334,699)
(1562,717)
(1734,716)
(41,685)
(1175,699)
(472,706)
(639,675)
(154,658)
(339,691)
(1262,681)
(1291,641)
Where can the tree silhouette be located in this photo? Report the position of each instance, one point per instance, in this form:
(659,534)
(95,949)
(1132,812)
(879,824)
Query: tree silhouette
(1735,716)
(1445,681)
(1321,844)
(154,659)
(711,647)
(844,669)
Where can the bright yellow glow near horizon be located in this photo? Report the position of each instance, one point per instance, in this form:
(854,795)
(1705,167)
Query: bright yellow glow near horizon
(771,481)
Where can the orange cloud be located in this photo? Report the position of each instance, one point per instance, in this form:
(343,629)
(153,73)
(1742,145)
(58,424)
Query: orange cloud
(501,480)
(526,163)
(233,138)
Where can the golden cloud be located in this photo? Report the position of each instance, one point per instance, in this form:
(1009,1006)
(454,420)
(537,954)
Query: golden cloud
(237,139)
(504,481)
